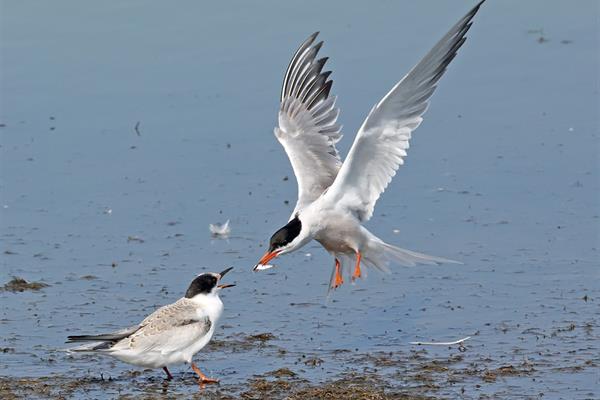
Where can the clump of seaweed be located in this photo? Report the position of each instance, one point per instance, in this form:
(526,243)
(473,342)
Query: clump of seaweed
(353,387)
(282,372)
(506,370)
(262,337)
(17,284)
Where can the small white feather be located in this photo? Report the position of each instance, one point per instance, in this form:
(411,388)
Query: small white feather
(220,230)
(459,341)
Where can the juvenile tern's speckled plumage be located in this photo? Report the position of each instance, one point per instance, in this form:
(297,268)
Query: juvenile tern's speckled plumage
(173,334)
(335,198)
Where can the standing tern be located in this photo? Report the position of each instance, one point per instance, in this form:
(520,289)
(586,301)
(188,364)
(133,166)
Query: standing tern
(335,198)
(172,334)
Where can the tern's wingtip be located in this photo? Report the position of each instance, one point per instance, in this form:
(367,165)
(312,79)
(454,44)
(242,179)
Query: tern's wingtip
(476,8)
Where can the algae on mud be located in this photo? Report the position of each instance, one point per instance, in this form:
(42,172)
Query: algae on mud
(17,284)
(414,375)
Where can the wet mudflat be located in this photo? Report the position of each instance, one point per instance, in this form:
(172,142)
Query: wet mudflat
(118,151)
(414,374)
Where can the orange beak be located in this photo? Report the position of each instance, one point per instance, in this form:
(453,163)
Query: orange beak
(269,255)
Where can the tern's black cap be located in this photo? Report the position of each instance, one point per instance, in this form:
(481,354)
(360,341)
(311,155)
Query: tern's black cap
(286,234)
(202,284)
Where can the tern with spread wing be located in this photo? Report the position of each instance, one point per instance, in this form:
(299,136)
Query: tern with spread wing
(335,198)
(173,334)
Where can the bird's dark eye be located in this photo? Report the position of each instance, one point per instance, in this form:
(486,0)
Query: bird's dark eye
(286,234)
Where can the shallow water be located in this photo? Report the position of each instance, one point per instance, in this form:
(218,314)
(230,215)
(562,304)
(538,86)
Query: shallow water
(502,175)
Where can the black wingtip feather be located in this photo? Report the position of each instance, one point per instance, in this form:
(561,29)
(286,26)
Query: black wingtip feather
(322,94)
(86,338)
(309,85)
(318,47)
(302,88)
(475,9)
(109,337)
(287,79)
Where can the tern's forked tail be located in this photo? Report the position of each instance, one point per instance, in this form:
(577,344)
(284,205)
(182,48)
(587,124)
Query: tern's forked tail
(380,255)
(391,255)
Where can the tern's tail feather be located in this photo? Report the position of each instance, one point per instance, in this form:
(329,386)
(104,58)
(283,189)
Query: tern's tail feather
(90,347)
(409,258)
(96,338)
(100,342)
(105,337)
(380,255)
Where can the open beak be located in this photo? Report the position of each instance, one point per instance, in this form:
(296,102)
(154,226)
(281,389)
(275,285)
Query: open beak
(269,255)
(226,285)
(221,276)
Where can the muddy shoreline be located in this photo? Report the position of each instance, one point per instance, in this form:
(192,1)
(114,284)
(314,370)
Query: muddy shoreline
(417,374)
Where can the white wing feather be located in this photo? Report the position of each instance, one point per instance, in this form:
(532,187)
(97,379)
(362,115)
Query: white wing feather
(382,141)
(307,123)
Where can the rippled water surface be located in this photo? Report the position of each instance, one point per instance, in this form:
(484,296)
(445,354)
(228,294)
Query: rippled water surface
(502,175)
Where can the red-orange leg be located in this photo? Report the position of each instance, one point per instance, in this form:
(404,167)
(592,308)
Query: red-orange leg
(357,272)
(338,275)
(203,379)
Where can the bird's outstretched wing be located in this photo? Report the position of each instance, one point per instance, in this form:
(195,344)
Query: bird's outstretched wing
(307,123)
(382,140)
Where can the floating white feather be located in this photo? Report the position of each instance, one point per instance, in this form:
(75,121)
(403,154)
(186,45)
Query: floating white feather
(459,341)
(220,230)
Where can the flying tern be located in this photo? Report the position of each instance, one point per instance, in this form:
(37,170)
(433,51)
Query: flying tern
(335,198)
